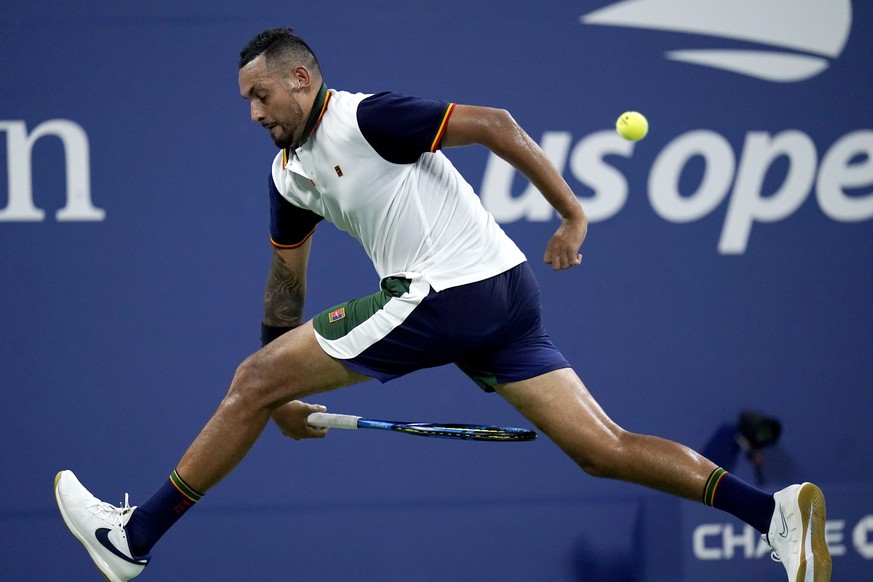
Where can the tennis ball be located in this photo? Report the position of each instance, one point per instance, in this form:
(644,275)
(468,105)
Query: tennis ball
(632,126)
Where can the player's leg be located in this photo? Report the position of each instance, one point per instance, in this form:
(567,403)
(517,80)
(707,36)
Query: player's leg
(793,519)
(561,406)
(119,539)
(292,366)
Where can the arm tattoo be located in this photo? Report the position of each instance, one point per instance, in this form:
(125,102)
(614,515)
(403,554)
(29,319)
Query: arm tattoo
(283,297)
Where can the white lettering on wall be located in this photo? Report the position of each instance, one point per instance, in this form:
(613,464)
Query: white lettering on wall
(842,181)
(19,147)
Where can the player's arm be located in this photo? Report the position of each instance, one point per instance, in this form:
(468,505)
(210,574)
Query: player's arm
(499,132)
(285,291)
(283,311)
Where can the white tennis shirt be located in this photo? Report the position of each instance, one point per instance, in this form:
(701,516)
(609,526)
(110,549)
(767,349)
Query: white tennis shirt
(371,166)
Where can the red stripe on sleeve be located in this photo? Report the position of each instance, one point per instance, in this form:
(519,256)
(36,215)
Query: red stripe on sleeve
(442,130)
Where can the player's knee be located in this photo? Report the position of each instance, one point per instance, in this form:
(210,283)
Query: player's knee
(596,466)
(254,384)
(607,458)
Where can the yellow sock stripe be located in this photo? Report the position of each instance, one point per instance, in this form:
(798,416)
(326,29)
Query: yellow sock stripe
(712,484)
(185,489)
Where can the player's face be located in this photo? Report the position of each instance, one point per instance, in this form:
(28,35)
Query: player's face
(274,102)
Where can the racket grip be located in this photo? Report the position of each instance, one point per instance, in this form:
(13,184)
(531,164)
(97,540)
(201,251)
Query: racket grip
(328,420)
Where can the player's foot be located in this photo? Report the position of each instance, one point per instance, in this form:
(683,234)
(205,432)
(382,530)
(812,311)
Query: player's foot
(797,533)
(100,528)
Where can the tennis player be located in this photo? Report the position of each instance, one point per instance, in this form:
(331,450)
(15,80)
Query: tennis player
(372,166)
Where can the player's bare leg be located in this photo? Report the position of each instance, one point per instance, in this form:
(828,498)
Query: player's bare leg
(119,539)
(561,406)
(292,366)
(792,520)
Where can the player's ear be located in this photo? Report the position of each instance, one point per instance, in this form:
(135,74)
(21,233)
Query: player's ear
(301,77)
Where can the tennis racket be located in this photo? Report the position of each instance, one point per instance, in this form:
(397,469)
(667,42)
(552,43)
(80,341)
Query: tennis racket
(469,432)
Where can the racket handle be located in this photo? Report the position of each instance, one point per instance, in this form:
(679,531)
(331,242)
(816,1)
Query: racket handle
(328,420)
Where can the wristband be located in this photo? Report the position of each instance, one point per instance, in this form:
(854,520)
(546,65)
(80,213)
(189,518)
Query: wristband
(271,332)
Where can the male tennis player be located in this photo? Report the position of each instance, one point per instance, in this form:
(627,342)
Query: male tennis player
(371,165)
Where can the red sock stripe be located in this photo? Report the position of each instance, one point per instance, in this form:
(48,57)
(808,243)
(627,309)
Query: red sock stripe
(712,485)
(192,495)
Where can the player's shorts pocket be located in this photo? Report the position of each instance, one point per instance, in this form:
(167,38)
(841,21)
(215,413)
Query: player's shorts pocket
(347,329)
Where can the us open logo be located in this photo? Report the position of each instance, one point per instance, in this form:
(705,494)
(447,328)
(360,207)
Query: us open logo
(20,205)
(801,46)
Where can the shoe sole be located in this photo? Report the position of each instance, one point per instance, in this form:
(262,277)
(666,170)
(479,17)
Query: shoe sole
(79,536)
(811,503)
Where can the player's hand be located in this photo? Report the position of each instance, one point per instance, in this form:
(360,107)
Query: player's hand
(562,252)
(291,420)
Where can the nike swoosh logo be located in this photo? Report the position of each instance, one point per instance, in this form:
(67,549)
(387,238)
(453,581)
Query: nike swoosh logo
(102,535)
(784,532)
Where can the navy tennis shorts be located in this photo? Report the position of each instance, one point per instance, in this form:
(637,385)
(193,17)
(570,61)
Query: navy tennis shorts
(492,330)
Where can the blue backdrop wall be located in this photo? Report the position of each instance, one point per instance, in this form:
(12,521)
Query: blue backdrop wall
(728,267)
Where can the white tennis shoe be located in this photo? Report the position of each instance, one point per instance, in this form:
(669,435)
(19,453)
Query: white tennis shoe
(99,527)
(797,533)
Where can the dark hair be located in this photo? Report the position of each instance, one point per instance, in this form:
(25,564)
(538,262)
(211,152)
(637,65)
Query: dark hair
(280,47)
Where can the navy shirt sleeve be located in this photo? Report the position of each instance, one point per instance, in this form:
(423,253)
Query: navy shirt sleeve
(290,225)
(401,128)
